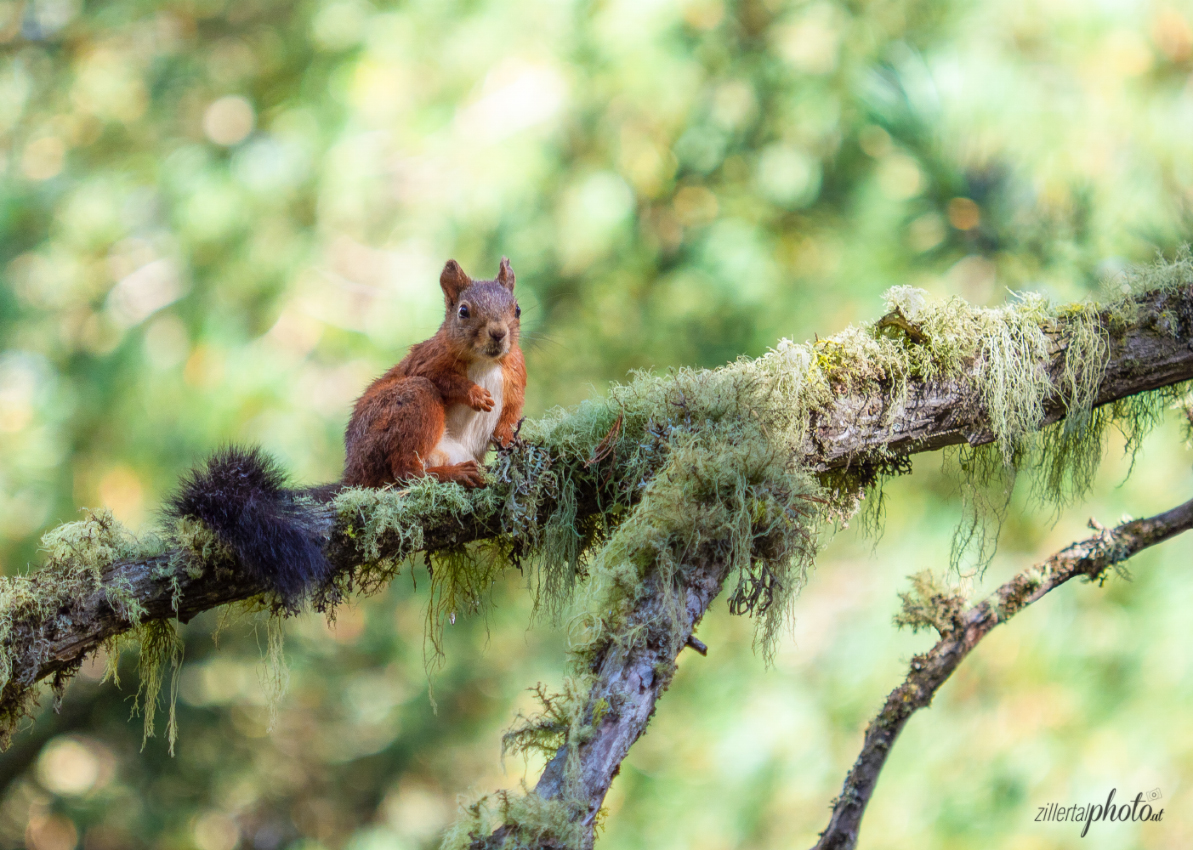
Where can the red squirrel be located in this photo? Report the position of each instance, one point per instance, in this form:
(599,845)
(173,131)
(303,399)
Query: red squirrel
(434,414)
(437,411)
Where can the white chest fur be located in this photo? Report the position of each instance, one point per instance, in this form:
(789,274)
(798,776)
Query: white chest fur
(468,432)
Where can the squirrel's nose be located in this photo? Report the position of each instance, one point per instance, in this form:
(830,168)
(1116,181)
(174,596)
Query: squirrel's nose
(498,334)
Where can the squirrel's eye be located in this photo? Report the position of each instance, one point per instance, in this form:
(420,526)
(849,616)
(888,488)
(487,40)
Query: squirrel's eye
(464,311)
(517,312)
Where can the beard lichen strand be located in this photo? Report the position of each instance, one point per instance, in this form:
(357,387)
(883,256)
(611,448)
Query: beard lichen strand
(158,643)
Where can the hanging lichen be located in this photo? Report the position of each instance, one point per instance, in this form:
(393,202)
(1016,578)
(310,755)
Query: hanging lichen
(159,645)
(274,673)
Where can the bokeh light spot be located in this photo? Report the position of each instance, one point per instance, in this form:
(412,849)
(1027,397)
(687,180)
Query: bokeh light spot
(695,206)
(69,767)
(964,214)
(215,831)
(141,294)
(1173,35)
(120,489)
(899,177)
(788,176)
(166,342)
(229,120)
(43,158)
(51,832)
(704,14)
(874,141)
(926,232)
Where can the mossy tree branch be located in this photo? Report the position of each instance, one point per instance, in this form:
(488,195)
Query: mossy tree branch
(846,408)
(1153,349)
(1150,350)
(960,631)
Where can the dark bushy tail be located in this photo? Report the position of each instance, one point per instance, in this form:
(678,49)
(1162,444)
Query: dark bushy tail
(240,494)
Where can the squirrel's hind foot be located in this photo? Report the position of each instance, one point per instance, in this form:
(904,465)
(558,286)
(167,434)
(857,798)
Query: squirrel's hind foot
(468,473)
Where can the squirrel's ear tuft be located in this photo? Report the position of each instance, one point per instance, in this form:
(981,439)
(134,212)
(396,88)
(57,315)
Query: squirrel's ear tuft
(453,281)
(505,275)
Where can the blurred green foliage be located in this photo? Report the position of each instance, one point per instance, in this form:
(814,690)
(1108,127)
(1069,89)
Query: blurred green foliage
(219,220)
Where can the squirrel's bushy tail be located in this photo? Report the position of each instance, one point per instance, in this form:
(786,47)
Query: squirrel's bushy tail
(240,494)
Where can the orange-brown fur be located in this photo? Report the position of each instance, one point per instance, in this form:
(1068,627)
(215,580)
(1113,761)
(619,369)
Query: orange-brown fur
(400,420)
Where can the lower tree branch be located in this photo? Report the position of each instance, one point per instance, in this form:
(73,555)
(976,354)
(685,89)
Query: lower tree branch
(961,630)
(630,681)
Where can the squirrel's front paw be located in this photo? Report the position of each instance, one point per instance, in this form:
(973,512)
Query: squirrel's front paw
(479,399)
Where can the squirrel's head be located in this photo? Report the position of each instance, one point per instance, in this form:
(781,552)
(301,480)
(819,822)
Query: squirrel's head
(482,315)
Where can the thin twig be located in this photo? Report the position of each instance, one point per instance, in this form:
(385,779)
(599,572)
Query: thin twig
(1090,558)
